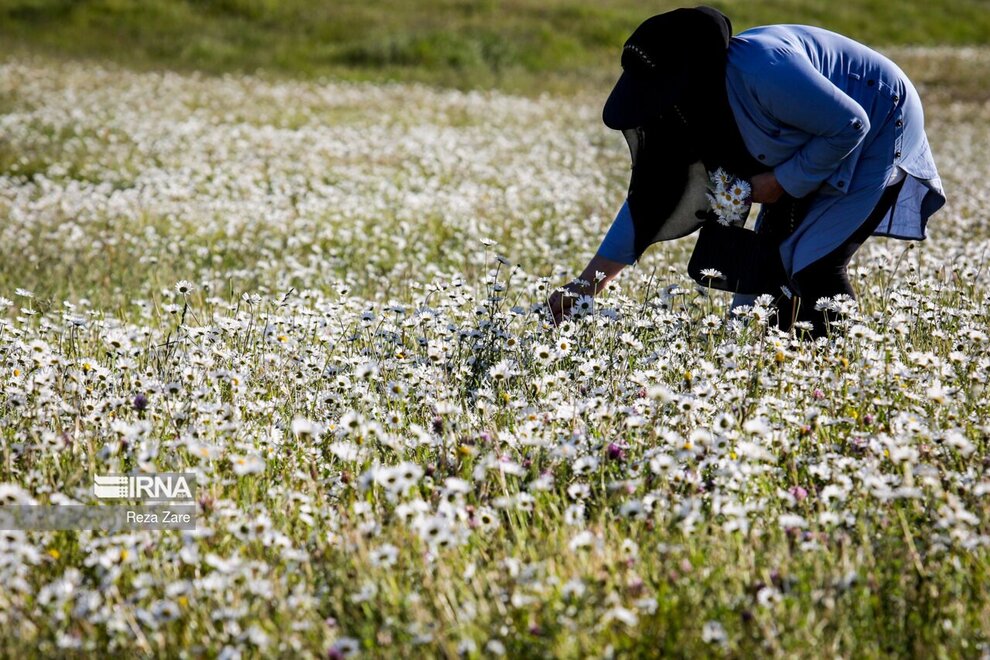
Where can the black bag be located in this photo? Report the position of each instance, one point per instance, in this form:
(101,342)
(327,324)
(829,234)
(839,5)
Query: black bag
(749,261)
(746,260)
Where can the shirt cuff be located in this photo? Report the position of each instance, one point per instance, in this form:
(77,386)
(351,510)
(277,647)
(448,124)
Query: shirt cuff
(619,243)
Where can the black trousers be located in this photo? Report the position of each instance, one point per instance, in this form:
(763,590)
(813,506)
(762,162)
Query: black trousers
(827,277)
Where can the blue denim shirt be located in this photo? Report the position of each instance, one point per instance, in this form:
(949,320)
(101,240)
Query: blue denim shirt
(833,118)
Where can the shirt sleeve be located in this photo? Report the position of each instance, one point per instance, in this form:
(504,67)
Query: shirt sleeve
(619,242)
(796,94)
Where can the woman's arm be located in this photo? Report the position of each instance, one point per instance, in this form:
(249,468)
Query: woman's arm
(601,267)
(793,92)
(615,253)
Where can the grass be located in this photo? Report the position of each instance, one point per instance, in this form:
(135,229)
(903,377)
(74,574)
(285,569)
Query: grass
(521,45)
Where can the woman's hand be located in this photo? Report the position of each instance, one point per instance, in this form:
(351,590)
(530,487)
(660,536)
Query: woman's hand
(596,276)
(562,299)
(766,188)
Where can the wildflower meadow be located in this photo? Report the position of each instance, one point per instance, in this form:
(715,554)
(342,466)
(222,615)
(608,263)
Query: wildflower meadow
(327,300)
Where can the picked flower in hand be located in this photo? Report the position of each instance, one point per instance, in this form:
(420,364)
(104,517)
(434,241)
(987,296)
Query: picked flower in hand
(729,197)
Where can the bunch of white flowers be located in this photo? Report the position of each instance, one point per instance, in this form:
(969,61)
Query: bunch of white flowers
(729,198)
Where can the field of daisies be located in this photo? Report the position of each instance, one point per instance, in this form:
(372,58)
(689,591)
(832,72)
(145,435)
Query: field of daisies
(327,301)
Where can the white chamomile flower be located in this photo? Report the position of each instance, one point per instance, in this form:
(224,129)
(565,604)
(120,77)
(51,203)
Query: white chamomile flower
(729,198)
(712,273)
(184,287)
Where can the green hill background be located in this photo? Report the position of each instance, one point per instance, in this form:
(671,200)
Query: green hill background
(521,45)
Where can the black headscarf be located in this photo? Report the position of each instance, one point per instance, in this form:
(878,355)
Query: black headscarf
(671,104)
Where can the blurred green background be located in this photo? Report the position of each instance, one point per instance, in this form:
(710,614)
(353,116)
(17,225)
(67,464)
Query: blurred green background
(520,45)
